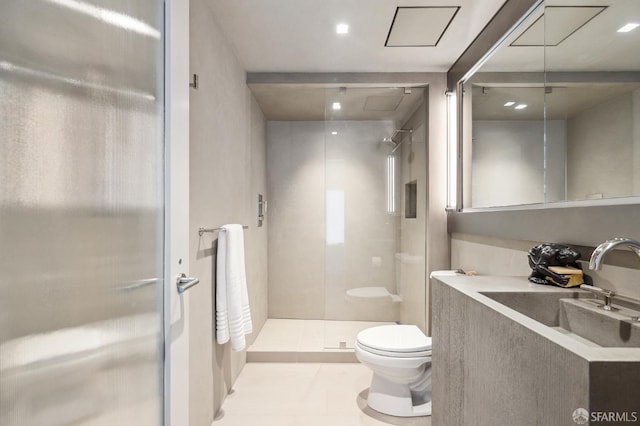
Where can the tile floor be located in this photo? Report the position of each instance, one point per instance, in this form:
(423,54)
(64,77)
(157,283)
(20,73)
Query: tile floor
(304,394)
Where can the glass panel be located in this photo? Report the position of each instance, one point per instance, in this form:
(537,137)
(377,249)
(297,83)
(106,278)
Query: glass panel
(508,146)
(375,150)
(579,139)
(506,157)
(593,92)
(81,212)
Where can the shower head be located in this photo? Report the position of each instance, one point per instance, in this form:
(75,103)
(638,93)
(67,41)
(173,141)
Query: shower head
(390,141)
(395,144)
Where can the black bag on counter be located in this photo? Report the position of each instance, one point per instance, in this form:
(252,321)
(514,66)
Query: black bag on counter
(555,264)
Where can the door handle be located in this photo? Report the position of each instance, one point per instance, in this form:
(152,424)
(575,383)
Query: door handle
(184,282)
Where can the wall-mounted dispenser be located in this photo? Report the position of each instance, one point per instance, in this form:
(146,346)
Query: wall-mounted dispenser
(262,209)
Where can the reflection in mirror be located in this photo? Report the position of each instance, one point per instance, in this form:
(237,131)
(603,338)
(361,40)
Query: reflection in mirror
(578,137)
(593,83)
(504,148)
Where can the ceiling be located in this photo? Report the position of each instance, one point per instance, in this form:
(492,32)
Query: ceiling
(288,102)
(300,35)
(581,35)
(559,103)
(585,62)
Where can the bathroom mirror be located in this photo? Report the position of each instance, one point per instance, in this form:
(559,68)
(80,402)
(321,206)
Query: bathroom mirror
(554,113)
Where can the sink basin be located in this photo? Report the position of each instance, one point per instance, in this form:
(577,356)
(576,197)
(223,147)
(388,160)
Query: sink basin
(542,351)
(576,315)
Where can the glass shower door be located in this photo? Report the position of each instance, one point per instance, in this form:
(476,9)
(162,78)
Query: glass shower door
(81,212)
(375,210)
(363,188)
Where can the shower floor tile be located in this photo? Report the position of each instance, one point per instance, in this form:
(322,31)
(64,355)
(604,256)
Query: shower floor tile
(292,340)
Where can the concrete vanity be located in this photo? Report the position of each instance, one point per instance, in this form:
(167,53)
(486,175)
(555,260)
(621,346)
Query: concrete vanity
(509,352)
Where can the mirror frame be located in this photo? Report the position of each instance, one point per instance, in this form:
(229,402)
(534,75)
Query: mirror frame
(585,223)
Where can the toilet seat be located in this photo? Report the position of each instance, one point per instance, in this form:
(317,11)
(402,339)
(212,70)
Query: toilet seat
(394,354)
(400,341)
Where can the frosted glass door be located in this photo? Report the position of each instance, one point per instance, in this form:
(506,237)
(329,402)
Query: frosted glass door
(81,212)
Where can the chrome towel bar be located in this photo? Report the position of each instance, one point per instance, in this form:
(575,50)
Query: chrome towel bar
(203,230)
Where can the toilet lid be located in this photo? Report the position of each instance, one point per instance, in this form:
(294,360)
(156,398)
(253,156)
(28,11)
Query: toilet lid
(395,338)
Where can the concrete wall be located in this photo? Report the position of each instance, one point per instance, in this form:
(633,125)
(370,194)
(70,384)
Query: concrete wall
(600,151)
(497,256)
(295,158)
(228,161)
(509,162)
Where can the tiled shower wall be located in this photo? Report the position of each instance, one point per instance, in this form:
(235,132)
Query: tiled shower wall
(329,229)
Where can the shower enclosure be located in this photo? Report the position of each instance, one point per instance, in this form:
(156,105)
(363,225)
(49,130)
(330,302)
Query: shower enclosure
(347,211)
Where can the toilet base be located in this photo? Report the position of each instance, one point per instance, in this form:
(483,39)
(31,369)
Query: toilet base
(394,399)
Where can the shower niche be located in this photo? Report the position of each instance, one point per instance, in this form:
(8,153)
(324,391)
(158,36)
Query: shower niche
(411,200)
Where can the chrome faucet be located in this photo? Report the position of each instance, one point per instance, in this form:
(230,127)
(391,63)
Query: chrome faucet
(595,264)
(597,257)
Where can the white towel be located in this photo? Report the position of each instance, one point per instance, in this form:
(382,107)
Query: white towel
(233,314)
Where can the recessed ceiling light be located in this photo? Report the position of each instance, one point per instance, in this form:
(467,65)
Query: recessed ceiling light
(510,103)
(334,133)
(342,29)
(629,27)
(521,106)
(336,106)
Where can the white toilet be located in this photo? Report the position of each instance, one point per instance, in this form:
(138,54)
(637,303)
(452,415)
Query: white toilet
(400,357)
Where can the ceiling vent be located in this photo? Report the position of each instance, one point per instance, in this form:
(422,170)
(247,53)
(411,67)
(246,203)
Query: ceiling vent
(419,26)
(557,24)
(382,103)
